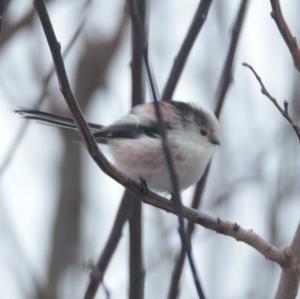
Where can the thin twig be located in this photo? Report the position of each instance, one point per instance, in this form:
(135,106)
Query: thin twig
(284,111)
(176,197)
(106,291)
(225,81)
(136,260)
(286,33)
(186,47)
(41,97)
(290,275)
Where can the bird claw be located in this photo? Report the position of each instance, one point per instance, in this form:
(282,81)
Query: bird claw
(172,196)
(143,187)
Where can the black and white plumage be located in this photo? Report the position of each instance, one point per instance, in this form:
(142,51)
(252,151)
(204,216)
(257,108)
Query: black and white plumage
(135,143)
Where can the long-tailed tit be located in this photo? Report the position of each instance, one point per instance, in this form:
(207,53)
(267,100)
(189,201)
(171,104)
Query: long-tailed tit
(135,143)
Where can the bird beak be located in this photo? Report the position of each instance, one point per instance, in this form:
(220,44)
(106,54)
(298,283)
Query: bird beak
(214,140)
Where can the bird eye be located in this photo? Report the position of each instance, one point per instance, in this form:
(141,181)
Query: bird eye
(203,132)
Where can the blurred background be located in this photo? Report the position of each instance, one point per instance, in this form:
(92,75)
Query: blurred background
(57,207)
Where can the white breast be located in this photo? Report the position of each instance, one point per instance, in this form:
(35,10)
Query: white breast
(195,158)
(143,159)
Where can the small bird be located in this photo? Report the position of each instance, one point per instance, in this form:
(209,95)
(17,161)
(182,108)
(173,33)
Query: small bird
(135,143)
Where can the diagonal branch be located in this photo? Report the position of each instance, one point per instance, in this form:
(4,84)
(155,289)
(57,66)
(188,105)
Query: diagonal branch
(225,81)
(234,230)
(181,58)
(284,111)
(286,33)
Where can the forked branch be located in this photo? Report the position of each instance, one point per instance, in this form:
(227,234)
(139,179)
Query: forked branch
(283,110)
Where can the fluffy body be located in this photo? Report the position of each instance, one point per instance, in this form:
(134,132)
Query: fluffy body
(135,143)
(143,158)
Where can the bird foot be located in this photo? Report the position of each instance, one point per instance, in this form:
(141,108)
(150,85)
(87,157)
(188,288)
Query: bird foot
(143,187)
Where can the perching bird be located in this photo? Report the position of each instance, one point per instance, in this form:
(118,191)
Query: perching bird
(135,143)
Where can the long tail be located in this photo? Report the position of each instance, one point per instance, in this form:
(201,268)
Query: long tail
(52,119)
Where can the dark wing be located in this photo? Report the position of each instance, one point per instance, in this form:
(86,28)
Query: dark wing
(130,131)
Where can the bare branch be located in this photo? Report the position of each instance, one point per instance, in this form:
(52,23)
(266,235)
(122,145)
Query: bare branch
(225,80)
(181,58)
(290,275)
(136,259)
(220,226)
(286,33)
(284,111)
